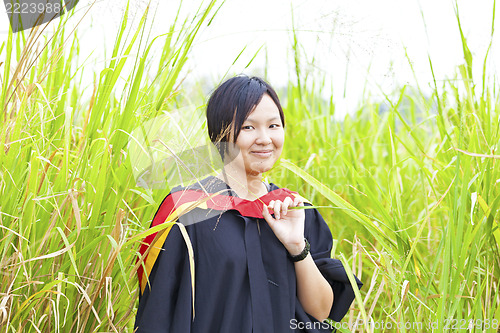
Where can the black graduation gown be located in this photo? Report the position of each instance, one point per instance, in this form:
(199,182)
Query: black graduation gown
(244,281)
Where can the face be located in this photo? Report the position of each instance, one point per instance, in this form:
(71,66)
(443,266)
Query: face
(260,141)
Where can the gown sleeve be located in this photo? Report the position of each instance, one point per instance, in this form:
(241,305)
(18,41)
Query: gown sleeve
(319,236)
(165,305)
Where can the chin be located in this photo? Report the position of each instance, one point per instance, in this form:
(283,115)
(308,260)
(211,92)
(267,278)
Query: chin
(258,170)
(256,166)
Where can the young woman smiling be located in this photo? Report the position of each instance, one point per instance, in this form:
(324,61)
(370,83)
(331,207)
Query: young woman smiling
(257,265)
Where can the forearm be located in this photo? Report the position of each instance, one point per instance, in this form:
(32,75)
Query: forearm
(313,290)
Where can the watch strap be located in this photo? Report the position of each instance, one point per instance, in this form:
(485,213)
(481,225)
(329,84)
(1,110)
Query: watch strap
(302,254)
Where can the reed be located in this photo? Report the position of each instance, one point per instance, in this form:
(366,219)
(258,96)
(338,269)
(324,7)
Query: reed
(68,199)
(409,185)
(414,182)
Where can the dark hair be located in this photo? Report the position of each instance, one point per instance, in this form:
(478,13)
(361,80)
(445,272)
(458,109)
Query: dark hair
(232,101)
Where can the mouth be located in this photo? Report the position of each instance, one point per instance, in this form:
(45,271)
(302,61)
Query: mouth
(262,153)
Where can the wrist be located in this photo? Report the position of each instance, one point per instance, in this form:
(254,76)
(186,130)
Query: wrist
(295,249)
(303,254)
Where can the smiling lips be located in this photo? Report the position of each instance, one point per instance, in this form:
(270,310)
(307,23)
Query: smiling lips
(262,153)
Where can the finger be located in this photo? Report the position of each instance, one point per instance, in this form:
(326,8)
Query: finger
(277,209)
(266,215)
(271,204)
(271,221)
(298,201)
(286,203)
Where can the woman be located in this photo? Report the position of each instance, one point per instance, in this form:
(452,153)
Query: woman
(241,258)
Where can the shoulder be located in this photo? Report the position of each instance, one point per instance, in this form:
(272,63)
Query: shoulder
(173,204)
(210,184)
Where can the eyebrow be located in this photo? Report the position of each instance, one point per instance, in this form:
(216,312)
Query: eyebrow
(270,119)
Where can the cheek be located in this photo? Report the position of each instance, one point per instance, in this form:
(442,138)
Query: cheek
(244,141)
(279,140)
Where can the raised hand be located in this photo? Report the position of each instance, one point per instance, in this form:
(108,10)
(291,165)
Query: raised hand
(287,224)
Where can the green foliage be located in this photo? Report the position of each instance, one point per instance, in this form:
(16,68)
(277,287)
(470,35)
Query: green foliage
(409,186)
(68,203)
(414,184)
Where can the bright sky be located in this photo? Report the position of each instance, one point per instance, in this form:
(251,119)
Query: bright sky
(356,44)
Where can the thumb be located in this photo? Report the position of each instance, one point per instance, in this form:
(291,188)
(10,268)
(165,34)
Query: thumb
(266,215)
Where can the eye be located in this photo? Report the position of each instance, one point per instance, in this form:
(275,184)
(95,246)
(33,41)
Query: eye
(274,126)
(247,127)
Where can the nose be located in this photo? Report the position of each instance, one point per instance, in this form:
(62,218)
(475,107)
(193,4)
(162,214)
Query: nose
(263,138)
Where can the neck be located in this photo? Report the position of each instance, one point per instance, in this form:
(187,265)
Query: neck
(246,185)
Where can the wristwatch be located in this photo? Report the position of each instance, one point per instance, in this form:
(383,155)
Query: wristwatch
(302,254)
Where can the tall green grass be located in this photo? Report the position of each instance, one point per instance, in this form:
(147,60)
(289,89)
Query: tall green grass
(69,201)
(412,182)
(415,190)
